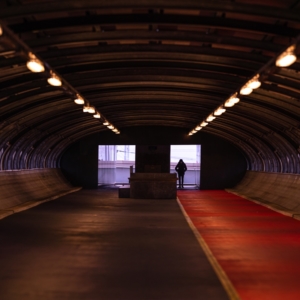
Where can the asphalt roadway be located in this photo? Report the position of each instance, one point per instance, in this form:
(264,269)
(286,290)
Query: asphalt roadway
(92,245)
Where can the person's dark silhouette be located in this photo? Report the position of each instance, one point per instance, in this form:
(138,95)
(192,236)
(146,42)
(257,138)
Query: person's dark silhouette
(180,169)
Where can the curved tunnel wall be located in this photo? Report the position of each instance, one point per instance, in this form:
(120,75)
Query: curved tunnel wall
(28,143)
(24,147)
(279,191)
(22,189)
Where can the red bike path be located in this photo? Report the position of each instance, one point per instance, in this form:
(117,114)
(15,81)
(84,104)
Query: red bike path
(257,248)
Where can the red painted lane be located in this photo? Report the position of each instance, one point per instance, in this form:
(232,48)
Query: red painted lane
(259,249)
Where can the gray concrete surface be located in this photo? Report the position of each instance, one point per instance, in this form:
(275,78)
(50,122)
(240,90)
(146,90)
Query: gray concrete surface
(24,188)
(277,191)
(92,245)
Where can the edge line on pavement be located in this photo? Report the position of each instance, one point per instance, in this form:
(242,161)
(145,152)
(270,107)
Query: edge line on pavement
(225,281)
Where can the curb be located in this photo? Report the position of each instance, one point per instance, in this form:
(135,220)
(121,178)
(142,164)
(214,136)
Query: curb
(225,281)
(282,211)
(29,204)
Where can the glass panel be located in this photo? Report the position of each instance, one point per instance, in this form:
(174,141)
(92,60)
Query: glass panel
(191,155)
(114,162)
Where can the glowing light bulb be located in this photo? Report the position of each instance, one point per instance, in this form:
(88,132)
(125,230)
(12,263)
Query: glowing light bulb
(287,58)
(246,90)
(91,110)
(35,65)
(254,83)
(79,100)
(54,80)
(86,108)
(97,116)
(231,101)
(219,111)
(210,118)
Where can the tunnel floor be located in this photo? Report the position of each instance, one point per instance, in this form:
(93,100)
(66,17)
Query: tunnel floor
(92,245)
(259,249)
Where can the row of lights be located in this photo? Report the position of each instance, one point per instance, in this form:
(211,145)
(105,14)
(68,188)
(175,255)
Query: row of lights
(285,59)
(36,66)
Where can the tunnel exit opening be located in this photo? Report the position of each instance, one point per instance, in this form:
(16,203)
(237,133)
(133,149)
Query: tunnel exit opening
(115,162)
(191,155)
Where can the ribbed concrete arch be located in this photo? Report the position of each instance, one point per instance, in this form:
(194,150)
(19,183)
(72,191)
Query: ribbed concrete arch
(279,10)
(153,63)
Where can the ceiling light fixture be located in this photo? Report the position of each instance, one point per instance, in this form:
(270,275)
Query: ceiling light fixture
(287,58)
(97,116)
(79,100)
(254,83)
(110,126)
(34,64)
(232,101)
(203,124)
(91,110)
(219,111)
(54,79)
(198,128)
(246,90)
(105,123)
(210,118)
(85,109)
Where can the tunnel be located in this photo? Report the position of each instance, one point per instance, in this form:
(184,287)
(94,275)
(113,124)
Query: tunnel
(221,74)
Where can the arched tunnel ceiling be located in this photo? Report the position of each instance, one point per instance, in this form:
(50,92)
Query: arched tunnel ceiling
(149,63)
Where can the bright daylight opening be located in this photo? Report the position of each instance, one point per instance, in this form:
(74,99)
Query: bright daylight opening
(191,155)
(115,161)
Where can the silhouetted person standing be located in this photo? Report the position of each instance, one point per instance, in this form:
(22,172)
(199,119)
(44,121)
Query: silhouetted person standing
(180,169)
